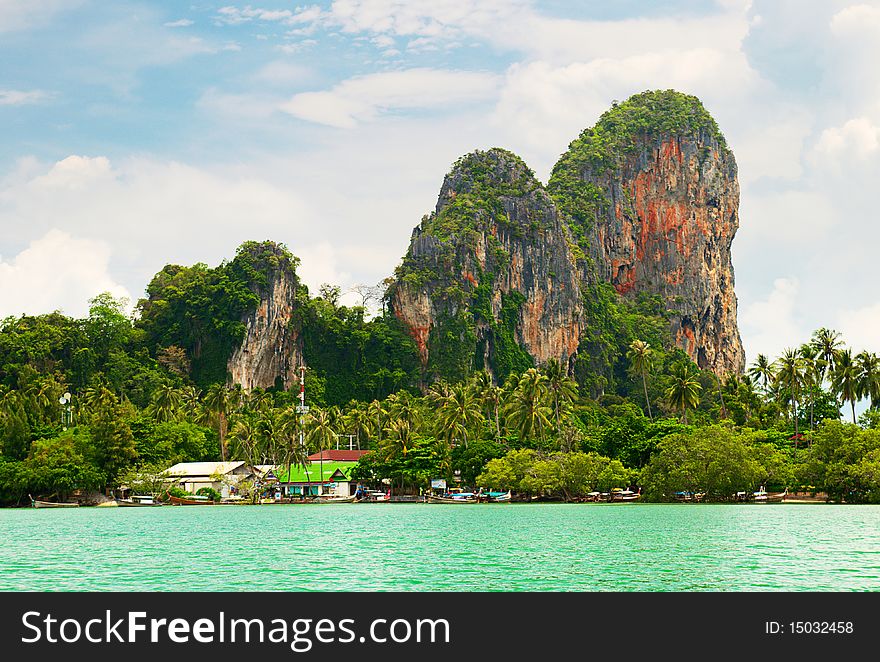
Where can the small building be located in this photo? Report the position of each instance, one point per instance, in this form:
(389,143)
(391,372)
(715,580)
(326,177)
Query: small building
(318,479)
(219,476)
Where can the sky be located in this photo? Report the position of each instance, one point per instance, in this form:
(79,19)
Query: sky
(137,134)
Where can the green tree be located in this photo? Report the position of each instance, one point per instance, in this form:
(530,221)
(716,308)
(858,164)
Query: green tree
(684,389)
(845,379)
(526,410)
(112,448)
(561,389)
(640,358)
(868,366)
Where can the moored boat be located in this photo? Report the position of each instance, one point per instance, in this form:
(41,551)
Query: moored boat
(497,497)
(138,501)
(193,500)
(762,496)
(51,504)
(460,498)
(618,495)
(335,499)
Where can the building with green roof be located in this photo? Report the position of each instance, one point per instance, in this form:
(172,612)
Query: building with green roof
(317,479)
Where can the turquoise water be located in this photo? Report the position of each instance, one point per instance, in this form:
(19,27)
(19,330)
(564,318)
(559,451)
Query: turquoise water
(418,547)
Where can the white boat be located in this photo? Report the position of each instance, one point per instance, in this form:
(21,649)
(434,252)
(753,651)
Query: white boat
(335,499)
(623,495)
(762,496)
(51,504)
(137,501)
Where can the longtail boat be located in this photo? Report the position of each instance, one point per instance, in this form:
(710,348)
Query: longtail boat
(51,504)
(138,502)
(191,501)
(335,499)
(463,498)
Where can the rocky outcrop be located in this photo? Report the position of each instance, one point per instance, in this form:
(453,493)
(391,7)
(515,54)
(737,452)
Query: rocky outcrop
(271,348)
(489,281)
(652,190)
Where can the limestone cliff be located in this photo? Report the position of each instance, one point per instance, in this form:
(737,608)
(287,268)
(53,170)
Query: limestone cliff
(489,281)
(651,192)
(271,349)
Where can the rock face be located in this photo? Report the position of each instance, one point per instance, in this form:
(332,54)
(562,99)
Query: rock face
(489,281)
(271,349)
(652,190)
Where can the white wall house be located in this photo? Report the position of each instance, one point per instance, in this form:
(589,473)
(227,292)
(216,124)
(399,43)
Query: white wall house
(192,476)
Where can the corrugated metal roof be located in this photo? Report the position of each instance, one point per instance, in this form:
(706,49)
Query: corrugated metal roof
(182,469)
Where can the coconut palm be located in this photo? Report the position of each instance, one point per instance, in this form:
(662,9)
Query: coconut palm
(845,379)
(828,342)
(377,415)
(762,371)
(561,388)
(641,359)
(403,406)
(813,368)
(218,405)
(789,374)
(398,441)
(459,412)
(526,410)
(869,377)
(165,403)
(244,439)
(684,390)
(320,433)
(190,402)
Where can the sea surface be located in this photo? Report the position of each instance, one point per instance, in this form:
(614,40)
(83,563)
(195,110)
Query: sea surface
(426,547)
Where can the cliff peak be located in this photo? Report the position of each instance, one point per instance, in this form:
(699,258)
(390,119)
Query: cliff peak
(651,194)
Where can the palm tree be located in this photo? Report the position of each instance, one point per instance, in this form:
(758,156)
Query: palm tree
(845,379)
(376,413)
(218,404)
(525,409)
(869,377)
(165,403)
(640,358)
(459,412)
(189,402)
(813,366)
(399,440)
(827,342)
(358,420)
(789,373)
(684,391)
(561,388)
(320,433)
(404,406)
(762,370)
(244,439)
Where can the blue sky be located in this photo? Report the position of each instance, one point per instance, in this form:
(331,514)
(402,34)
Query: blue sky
(137,134)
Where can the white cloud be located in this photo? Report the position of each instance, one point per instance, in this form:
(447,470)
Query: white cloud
(857,140)
(235,16)
(23,14)
(150,212)
(770,325)
(861,327)
(22,97)
(861,20)
(181,23)
(544,106)
(56,272)
(364,98)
